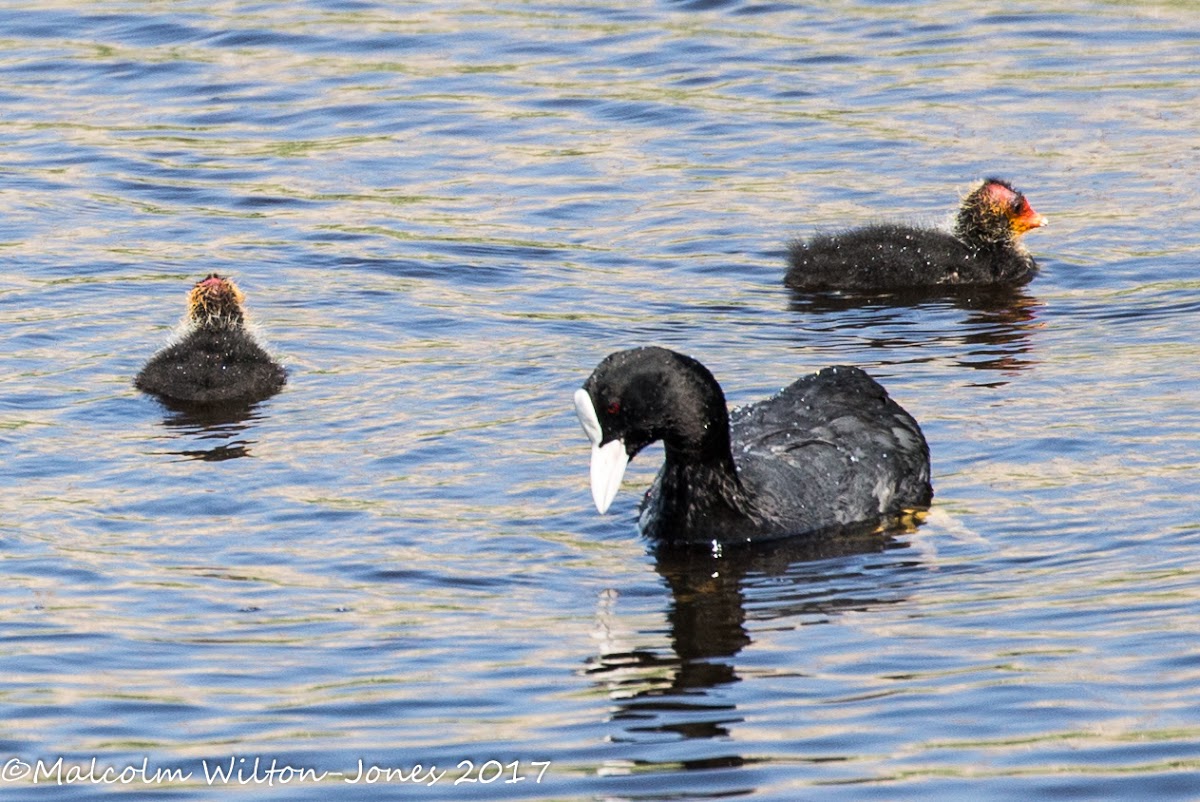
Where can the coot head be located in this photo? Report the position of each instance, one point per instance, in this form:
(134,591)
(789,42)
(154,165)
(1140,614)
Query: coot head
(643,395)
(995,213)
(216,302)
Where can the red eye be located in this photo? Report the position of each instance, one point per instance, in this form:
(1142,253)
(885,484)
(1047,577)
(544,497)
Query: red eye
(613,407)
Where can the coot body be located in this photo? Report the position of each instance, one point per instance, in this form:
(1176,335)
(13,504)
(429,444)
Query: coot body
(215,360)
(829,453)
(985,249)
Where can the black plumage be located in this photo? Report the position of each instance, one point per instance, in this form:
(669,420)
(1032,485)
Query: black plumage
(984,249)
(828,453)
(215,360)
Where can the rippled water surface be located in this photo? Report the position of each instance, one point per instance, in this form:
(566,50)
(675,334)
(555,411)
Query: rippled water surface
(443,216)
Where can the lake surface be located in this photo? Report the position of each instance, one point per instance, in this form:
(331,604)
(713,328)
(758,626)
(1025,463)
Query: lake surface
(443,216)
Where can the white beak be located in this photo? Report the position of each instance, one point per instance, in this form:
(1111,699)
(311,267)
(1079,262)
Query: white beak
(608,460)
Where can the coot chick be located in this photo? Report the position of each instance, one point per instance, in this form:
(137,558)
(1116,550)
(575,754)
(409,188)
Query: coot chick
(827,454)
(985,249)
(215,360)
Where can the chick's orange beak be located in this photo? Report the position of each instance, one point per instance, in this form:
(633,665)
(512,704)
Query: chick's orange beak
(1026,219)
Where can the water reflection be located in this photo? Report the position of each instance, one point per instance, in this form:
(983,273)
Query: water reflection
(997,337)
(991,328)
(221,422)
(656,693)
(971,298)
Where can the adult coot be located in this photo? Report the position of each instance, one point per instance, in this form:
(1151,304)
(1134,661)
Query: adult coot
(984,249)
(214,360)
(827,453)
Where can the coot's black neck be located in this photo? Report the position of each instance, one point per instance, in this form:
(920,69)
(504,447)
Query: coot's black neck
(699,477)
(691,417)
(1002,252)
(700,500)
(984,228)
(223,319)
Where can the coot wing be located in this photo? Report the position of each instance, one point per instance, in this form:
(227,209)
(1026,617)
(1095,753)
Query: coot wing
(831,450)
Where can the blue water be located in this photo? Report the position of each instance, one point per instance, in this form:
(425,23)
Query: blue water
(443,216)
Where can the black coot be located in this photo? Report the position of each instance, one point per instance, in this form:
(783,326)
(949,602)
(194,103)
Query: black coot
(985,249)
(828,453)
(215,360)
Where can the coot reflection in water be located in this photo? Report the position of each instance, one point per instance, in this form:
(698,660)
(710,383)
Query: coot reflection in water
(794,583)
(222,426)
(212,432)
(983,328)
